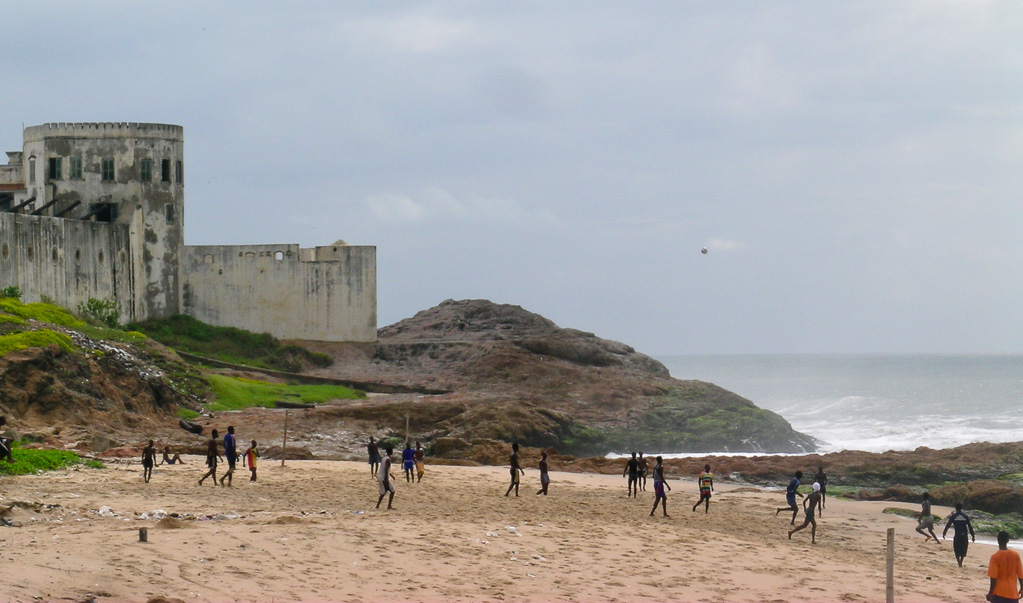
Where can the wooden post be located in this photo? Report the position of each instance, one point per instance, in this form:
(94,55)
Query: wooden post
(890,584)
(143,534)
(284,446)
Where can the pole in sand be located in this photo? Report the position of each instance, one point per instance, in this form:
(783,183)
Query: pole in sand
(889,590)
(284,446)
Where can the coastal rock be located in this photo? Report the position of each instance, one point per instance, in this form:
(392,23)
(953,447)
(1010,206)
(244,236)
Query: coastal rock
(520,377)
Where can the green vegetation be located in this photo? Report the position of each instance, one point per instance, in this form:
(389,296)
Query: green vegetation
(14,292)
(186,413)
(108,334)
(12,319)
(42,312)
(28,461)
(234,394)
(106,312)
(229,344)
(34,339)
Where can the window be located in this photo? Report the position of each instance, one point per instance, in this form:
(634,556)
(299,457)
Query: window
(169,211)
(108,170)
(55,168)
(146,174)
(179,172)
(32,170)
(76,168)
(165,170)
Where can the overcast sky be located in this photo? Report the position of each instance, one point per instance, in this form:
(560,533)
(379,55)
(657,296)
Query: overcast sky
(854,169)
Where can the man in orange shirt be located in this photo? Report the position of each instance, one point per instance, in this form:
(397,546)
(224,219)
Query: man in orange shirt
(1004,570)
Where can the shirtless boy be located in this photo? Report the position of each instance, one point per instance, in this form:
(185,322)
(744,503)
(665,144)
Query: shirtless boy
(813,500)
(148,460)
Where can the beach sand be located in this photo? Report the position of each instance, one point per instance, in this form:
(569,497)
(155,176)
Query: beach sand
(309,532)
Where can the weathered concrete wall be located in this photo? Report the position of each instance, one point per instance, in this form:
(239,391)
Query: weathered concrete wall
(269,288)
(67,260)
(153,208)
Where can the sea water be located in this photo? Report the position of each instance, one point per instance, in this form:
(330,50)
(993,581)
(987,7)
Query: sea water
(876,402)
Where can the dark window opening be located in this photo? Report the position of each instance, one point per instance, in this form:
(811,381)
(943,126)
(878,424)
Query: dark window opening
(165,170)
(55,168)
(104,212)
(107,170)
(32,170)
(169,210)
(76,168)
(179,172)
(146,174)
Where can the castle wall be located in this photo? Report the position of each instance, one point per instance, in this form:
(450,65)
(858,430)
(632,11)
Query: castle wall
(153,208)
(270,288)
(68,261)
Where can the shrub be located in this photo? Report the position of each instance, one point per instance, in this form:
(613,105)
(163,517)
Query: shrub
(106,312)
(11,291)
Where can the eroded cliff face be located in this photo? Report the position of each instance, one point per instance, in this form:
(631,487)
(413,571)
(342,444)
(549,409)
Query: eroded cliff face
(99,390)
(550,386)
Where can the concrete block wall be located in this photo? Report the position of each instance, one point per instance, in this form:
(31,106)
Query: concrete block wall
(271,289)
(68,261)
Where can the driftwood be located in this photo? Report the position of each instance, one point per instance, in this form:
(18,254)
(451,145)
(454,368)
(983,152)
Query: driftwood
(190,426)
(286,404)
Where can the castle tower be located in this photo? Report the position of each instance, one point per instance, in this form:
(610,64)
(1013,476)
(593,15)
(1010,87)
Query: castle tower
(123,173)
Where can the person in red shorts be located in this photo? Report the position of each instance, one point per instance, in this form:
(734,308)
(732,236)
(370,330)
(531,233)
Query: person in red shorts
(1005,570)
(660,496)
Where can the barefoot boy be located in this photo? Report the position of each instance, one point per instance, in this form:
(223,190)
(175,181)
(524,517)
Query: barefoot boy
(148,460)
(250,459)
(706,487)
(813,500)
(660,496)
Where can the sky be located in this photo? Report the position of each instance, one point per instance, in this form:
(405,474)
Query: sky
(854,169)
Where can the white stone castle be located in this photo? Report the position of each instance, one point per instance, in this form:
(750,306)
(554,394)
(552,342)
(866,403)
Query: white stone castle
(96,210)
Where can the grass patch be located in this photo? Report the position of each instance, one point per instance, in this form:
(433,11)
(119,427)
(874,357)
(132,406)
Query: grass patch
(237,346)
(34,339)
(234,394)
(28,461)
(40,311)
(17,320)
(186,413)
(107,334)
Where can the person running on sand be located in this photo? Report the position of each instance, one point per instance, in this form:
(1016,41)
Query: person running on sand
(420,464)
(211,458)
(374,456)
(516,469)
(960,538)
(813,500)
(171,460)
(408,461)
(250,459)
(385,478)
(632,470)
(148,460)
(926,523)
(1004,570)
(821,478)
(545,478)
(706,487)
(642,472)
(660,496)
(790,497)
(6,444)
(231,452)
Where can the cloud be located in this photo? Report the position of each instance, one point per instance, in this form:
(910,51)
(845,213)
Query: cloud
(437,204)
(725,245)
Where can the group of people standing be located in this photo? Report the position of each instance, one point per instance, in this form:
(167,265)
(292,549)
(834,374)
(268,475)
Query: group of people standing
(412,459)
(212,458)
(231,453)
(636,469)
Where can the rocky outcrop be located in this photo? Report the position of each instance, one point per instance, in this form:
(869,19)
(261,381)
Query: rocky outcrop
(522,377)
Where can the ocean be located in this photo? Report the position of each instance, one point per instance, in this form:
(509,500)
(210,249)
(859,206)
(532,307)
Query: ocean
(876,402)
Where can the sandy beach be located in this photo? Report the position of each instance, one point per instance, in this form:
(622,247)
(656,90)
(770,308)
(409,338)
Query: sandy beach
(309,532)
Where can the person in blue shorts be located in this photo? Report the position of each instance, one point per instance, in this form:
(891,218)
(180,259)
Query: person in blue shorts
(660,496)
(408,461)
(790,497)
(231,454)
